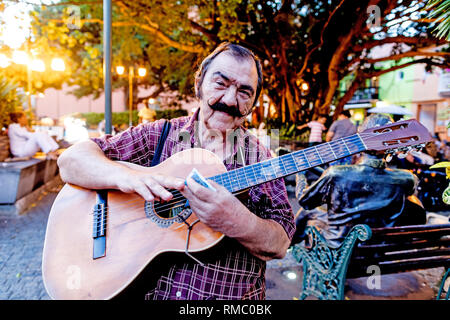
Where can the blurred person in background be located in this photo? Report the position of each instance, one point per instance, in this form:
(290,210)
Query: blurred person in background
(25,143)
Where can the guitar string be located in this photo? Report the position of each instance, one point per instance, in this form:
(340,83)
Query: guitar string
(177,193)
(173,203)
(313,157)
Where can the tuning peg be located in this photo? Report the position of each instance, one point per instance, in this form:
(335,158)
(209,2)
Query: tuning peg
(402,155)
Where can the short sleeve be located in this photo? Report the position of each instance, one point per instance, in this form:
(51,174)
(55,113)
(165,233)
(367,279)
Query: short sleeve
(333,127)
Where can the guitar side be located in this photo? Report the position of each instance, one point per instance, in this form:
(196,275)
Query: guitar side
(132,239)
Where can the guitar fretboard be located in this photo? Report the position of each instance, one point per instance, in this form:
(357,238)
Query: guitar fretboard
(271,169)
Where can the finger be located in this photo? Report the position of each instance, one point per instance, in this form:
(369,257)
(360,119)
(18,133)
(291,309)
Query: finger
(169,182)
(200,192)
(145,193)
(194,201)
(157,190)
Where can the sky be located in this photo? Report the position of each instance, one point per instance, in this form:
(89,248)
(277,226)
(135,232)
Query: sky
(16,21)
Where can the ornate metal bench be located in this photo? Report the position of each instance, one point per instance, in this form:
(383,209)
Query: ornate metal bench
(392,250)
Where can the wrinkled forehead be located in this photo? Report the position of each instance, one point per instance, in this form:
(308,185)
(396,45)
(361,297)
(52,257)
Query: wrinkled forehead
(235,68)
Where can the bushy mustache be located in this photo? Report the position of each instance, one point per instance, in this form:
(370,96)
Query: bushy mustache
(232,111)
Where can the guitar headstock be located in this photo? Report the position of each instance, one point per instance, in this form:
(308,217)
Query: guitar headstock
(398,136)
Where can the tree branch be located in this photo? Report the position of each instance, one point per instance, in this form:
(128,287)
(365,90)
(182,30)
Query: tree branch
(409,54)
(399,39)
(401,66)
(308,55)
(151,29)
(333,68)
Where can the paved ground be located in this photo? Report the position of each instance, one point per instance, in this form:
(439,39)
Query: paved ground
(21,244)
(22,240)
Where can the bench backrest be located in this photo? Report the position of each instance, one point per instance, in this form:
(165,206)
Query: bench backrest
(401,249)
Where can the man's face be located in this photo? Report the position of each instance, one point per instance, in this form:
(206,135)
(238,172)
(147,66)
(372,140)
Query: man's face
(227,92)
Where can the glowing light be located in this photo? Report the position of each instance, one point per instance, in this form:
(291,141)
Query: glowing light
(142,72)
(4,61)
(120,70)
(20,57)
(305,86)
(58,64)
(37,65)
(291,275)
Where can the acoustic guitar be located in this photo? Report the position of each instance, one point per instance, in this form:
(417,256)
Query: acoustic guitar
(98,241)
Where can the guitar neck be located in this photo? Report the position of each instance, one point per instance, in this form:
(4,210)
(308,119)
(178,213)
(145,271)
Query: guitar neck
(279,167)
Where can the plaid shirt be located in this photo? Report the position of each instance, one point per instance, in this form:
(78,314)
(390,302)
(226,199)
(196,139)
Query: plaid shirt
(229,270)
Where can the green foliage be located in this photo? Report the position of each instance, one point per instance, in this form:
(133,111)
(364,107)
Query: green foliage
(288,130)
(317,42)
(122,118)
(11,100)
(441,12)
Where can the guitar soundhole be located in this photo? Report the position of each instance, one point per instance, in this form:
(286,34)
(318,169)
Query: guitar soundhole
(164,214)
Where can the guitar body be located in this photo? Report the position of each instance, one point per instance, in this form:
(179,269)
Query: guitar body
(132,238)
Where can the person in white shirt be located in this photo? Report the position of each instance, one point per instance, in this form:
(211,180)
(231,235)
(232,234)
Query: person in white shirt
(25,143)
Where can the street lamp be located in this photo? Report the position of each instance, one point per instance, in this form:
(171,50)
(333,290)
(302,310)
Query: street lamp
(141,72)
(37,65)
(58,64)
(23,58)
(4,61)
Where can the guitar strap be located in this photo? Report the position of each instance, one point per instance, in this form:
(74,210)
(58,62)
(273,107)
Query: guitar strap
(160,146)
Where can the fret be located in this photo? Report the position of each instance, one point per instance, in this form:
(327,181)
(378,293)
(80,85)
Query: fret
(339,149)
(257,169)
(218,178)
(324,151)
(292,159)
(267,170)
(226,178)
(233,180)
(245,175)
(221,179)
(328,144)
(362,141)
(301,160)
(315,148)
(257,172)
(278,167)
(345,145)
(248,176)
(290,167)
(285,165)
(355,144)
(312,160)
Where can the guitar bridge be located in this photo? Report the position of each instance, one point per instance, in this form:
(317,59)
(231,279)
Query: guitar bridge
(99,225)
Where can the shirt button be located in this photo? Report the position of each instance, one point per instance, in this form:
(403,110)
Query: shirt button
(178,294)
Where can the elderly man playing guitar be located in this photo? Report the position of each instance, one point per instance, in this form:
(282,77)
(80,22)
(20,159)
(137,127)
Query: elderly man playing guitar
(256,228)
